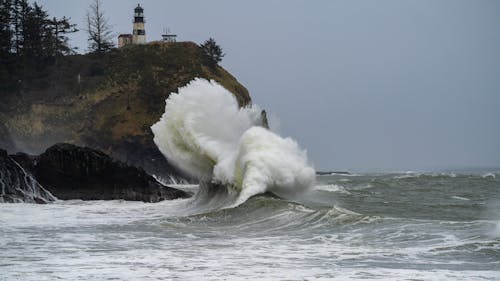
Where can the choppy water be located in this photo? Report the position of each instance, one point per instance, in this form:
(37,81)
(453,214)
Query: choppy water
(386,227)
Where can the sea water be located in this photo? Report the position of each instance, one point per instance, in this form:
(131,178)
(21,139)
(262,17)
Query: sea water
(260,213)
(384,226)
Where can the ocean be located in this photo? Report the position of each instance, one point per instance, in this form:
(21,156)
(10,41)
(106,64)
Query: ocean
(398,226)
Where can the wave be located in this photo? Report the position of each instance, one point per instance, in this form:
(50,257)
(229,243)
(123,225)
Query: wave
(208,136)
(269,214)
(410,175)
(332,188)
(413,175)
(489,175)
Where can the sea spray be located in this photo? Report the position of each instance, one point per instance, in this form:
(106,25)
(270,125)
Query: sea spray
(201,127)
(267,162)
(205,134)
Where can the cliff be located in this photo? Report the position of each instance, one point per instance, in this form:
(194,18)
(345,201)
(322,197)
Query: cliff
(106,102)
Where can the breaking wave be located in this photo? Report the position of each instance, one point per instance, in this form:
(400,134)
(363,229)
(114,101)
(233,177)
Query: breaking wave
(208,136)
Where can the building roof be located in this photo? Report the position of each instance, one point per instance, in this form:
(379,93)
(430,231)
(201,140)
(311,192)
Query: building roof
(138,8)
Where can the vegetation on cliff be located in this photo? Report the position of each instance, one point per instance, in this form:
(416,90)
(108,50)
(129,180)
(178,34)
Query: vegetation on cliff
(30,41)
(108,101)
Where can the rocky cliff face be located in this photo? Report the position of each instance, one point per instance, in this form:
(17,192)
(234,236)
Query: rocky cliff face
(73,172)
(107,102)
(16,185)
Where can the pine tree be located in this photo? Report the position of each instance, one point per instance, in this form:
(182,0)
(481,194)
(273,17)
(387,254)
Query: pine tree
(60,28)
(6,32)
(33,29)
(212,52)
(6,56)
(18,14)
(30,42)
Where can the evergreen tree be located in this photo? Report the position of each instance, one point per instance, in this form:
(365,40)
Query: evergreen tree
(30,42)
(6,32)
(6,57)
(33,25)
(60,29)
(19,13)
(212,52)
(98,29)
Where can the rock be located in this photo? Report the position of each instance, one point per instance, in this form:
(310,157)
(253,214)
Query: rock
(145,154)
(265,122)
(5,139)
(25,160)
(73,172)
(17,186)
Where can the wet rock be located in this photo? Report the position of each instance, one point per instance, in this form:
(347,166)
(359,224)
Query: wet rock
(17,186)
(73,172)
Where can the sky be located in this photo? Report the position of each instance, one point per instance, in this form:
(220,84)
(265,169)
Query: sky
(370,86)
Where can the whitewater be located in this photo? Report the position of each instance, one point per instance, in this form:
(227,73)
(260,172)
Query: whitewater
(362,227)
(260,213)
(209,137)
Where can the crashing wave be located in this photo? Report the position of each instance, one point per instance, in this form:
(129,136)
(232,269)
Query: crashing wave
(208,136)
(488,175)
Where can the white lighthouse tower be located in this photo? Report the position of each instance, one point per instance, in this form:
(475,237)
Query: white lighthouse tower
(139,34)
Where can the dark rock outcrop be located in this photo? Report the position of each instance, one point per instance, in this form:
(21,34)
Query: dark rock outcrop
(73,172)
(17,186)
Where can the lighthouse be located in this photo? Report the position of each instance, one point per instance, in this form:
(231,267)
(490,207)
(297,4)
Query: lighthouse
(139,33)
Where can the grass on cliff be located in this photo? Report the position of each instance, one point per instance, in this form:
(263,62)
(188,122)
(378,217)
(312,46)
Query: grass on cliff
(105,100)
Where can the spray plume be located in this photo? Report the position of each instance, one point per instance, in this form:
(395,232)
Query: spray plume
(205,133)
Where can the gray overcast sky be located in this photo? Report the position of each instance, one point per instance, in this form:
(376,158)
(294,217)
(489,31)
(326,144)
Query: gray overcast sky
(381,85)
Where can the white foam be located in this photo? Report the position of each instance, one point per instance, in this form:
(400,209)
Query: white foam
(266,161)
(407,175)
(496,232)
(332,188)
(201,126)
(489,175)
(205,134)
(460,198)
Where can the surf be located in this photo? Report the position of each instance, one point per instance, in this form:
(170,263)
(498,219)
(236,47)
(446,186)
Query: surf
(204,133)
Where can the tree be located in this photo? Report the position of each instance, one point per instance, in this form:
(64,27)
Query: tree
(6,32)
(6,56)
(29,42)
(212,52)
(19,13)
(34,29)
(98,29)
(59,28)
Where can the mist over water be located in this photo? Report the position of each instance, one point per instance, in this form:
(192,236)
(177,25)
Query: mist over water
(205,133)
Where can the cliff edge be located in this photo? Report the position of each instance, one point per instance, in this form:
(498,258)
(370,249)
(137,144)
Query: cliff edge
(107,102)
